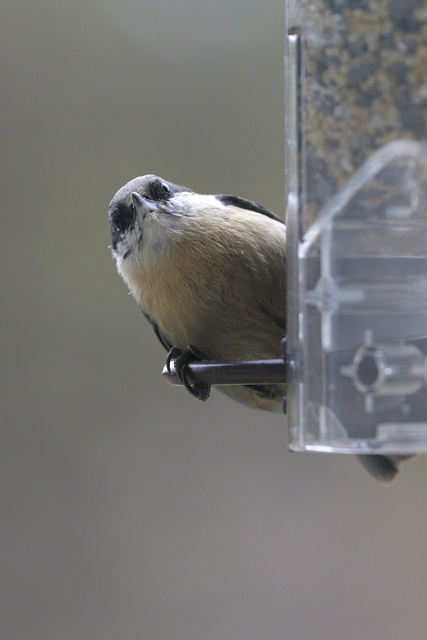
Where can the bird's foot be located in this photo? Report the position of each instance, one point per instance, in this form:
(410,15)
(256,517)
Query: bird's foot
(180,360)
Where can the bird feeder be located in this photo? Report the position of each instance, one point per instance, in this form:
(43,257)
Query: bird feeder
(356,184)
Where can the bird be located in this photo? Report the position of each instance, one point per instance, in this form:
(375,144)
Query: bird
(209,274)
(207,271)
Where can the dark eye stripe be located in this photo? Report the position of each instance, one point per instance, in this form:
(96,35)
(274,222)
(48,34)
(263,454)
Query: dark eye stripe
(160,190)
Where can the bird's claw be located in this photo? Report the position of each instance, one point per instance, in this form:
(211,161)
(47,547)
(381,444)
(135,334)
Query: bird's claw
(173,354)
(181,360)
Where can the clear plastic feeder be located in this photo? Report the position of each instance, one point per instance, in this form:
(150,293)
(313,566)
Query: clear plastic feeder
(356,176)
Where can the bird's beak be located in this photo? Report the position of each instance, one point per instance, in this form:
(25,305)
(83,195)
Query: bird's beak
(142,206)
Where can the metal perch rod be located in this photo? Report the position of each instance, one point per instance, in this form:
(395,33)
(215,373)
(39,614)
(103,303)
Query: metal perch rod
(217,373)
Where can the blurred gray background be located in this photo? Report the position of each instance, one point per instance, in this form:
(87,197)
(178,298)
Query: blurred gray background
(129,510)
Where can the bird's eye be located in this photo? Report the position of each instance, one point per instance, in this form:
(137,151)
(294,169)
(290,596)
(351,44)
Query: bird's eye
(160,190)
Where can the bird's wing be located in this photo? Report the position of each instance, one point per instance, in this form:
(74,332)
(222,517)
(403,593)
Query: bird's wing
(165,343)
(276,313)
(236,201)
